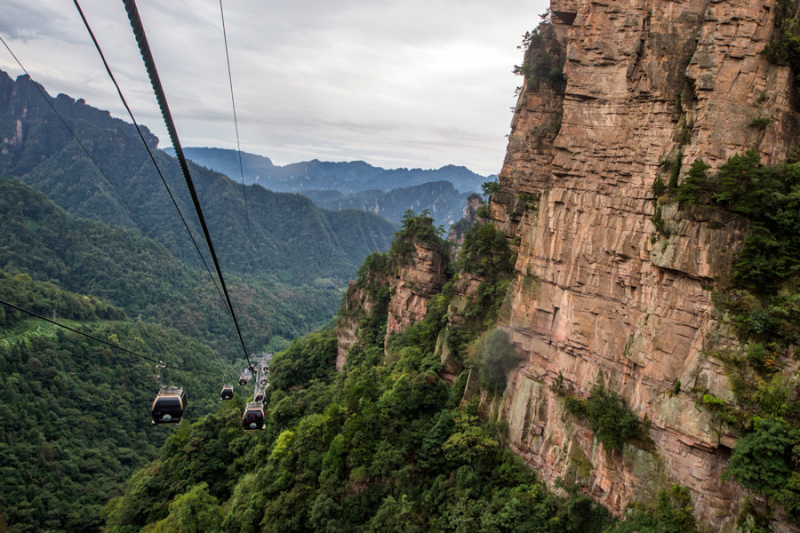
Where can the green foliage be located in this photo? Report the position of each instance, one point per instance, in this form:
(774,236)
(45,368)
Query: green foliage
(764,296)
(490,187)
(608,416)
(784,46)
(495,356)
(673,514)
(194,512)
(486,252)
(658,187)
(140,276)
(544,59)
(305,360)
(417,229)
(75,414)
(760,123)
(766,461)
(692,185)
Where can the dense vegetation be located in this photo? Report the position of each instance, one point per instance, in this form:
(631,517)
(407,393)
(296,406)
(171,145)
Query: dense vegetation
(608,415)
(74,414)
(139,275)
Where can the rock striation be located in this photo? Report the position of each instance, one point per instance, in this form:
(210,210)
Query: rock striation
(601,297)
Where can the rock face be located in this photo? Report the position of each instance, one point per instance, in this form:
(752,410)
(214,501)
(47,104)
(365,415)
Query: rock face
(412,285)
(600,296)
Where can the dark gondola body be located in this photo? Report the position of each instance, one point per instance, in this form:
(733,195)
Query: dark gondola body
(253,417)
(227,393)
(260,396)
(169,405)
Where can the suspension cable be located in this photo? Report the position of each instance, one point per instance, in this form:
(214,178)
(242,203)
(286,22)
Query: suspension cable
(111,344)
(155,80)
(236,125)
(96,164)
(149,152)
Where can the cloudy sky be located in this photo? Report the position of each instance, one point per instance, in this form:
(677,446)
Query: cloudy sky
(411,83)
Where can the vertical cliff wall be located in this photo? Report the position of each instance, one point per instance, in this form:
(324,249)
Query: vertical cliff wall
(601,297)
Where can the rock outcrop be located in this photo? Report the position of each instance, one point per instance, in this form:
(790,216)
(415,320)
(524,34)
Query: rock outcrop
(412,286)
(601,297)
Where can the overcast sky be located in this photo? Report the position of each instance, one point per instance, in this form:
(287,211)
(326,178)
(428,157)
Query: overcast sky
(411,83)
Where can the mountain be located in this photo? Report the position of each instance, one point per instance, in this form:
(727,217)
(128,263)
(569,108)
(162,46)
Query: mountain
(285,238)
(623,315)
(136,273)
(346,177)
(440,198)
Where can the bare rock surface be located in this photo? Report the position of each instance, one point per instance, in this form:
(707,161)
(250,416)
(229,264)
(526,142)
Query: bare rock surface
(601,297)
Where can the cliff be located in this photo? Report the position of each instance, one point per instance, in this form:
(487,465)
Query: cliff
(601,296)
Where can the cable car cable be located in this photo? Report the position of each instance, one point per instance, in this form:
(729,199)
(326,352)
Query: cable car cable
(116,346)
(141,136)
(47,99)
(236,125)
(152,71)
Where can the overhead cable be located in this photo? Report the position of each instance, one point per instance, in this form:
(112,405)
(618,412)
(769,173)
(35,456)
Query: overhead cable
(236,125)
(149,152)
(155,80)
(111,344)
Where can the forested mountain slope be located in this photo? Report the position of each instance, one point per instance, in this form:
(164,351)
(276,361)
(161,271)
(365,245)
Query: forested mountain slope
(292,240)
(384,445)
(138,274)
(74,414)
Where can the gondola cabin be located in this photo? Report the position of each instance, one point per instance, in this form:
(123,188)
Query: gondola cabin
(253,417)
(227,393)
(244,377)
(169,405)
(259,396)
(264,381)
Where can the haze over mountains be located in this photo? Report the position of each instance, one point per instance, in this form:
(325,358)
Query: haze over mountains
(353,184)
(348,177)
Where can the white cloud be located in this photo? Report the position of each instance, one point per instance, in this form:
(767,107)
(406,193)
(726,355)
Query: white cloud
(413,83)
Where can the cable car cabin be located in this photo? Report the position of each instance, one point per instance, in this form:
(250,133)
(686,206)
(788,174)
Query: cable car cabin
(253,417)
(227,393)
(244,377)
(265,369)
(264,381)
(259,396)
(169,405)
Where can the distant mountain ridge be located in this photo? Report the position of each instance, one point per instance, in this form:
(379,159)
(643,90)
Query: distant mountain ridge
(444,203)
(348,177)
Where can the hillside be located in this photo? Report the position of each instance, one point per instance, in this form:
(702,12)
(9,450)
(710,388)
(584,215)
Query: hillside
(75,414)
(443,202)
(384,444)
(293,241)
(347,177)
(138,274)
(624,313)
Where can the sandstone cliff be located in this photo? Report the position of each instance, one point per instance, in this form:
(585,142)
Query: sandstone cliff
(601,297)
